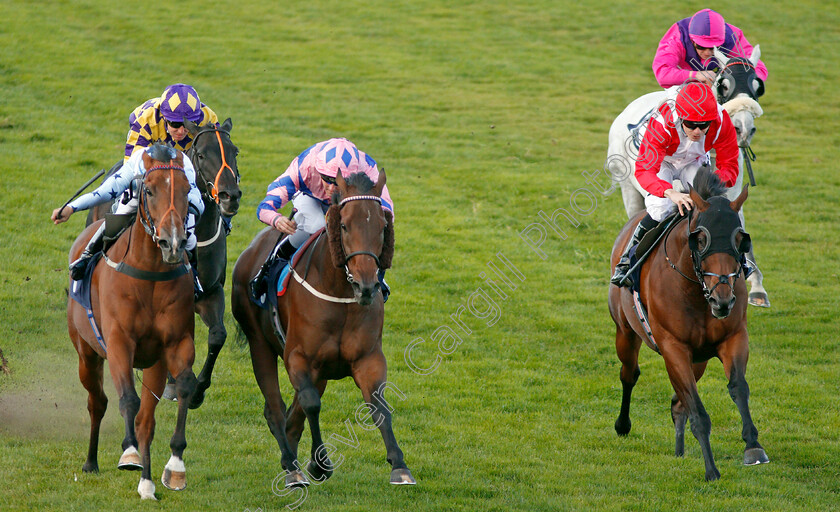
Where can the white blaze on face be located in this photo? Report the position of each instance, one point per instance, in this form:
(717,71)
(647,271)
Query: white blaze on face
(368,216)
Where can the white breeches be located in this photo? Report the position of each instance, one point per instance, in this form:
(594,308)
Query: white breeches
(310,217)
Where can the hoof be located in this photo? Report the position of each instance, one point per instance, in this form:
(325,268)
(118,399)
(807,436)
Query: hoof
(130,460)
(622,428)
(318,473)
(712,475)
(402,477)
(146,489)
(755,456)
(174,475)
(90,467)
(296,479)
(758,299)
(169,393)
(196,400)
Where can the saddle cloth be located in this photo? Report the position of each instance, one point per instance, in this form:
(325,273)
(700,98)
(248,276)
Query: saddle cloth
(278,274)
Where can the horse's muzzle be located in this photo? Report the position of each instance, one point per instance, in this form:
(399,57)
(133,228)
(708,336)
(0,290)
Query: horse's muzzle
(364,293)
(172,253)
(722,307)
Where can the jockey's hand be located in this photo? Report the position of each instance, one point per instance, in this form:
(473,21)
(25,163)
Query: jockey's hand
(60,215)
(706,77)
(680,199)
(285,225)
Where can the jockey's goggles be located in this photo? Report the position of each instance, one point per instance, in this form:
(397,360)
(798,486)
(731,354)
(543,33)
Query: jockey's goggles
(692,125)
(328,179)
(175,124)
(702,48)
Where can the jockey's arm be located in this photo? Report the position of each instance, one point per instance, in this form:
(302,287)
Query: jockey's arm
(726,152)
(109,190)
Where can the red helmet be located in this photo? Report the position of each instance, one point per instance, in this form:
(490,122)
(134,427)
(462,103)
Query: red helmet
(696,102)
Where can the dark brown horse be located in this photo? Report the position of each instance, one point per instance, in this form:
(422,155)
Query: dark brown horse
(696,306)
(332,318)
(142,302)
(213,155)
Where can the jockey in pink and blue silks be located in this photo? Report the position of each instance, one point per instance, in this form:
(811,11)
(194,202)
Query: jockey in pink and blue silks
(309,183)
(686,50)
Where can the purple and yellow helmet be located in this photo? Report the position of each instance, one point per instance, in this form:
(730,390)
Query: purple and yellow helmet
(707,28)
(180,101)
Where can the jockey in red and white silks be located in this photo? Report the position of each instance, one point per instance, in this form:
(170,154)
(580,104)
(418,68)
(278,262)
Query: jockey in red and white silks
(677,142)
(309,183)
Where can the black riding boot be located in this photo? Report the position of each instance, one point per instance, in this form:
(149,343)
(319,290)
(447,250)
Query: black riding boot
(198,290)
(77,268)
(620,277)
(383,286)
(283,253)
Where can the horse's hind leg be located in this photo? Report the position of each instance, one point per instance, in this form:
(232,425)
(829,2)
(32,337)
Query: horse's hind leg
(679,414)
(370,375)
(733,355)
(264,362)
(90,374)
(758,295)
(154,379)
(211,309)
(627,346)
(678,364)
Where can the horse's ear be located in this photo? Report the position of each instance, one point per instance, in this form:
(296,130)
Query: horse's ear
(720,57)
(227,125)
(756,54)
(702,204)
(342,184)
(739,201)
(192,128)
(380,184)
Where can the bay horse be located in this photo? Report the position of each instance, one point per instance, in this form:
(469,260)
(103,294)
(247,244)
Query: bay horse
(213,155)
(141,316)
(697,308)
(332,318)
(737,88)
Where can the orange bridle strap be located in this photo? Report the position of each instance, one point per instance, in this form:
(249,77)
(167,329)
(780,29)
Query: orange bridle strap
(214,192)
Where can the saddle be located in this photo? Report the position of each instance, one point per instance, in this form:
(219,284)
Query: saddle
(276,278)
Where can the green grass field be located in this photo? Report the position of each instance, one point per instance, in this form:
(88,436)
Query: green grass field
(483,114)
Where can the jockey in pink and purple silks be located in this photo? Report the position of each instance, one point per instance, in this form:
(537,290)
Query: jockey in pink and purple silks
(309,183)
(686,50)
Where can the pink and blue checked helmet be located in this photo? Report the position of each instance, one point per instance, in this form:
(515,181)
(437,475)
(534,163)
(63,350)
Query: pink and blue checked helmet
(335,155)
(180,101)
(707,28)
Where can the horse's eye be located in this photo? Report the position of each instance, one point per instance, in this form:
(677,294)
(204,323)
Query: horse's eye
(199,156)
(702,241)
(343,226)
(148,191)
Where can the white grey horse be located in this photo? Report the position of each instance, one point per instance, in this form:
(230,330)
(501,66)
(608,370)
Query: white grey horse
(738,89)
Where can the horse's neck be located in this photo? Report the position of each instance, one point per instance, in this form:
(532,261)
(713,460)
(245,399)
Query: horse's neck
(210,218)
(137,249)
(333,279)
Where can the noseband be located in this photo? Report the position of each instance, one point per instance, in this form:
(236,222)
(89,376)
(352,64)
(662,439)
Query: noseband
(214,186)
(357,253)
(146,216)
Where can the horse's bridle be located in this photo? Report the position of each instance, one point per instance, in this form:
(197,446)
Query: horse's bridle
(697,259)
(214,186)
(357,253)
(145,215)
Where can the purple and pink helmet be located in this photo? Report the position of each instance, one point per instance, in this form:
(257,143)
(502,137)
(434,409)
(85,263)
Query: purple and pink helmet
(338,154)
(707,28)
(180,101)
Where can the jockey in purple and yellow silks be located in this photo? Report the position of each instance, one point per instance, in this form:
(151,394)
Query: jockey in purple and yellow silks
(309,183)
(162,119)
(686,50)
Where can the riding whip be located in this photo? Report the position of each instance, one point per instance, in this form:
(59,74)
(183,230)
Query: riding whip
(82,189)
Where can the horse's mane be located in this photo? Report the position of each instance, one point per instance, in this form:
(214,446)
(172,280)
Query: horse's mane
(161,152)
(708,184)
(358,180)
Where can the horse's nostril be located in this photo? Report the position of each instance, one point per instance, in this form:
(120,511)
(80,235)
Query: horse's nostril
(164,244)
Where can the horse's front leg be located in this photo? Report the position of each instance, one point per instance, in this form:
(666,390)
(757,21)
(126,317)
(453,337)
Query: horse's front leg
(679,414)
(179,360)
(211,309)
(370,375)
(734,354)
(154,379)
(678,363)
(120,364)
(308,398)
(758,295)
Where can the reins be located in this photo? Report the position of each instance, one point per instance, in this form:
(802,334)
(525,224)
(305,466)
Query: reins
(214,186)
